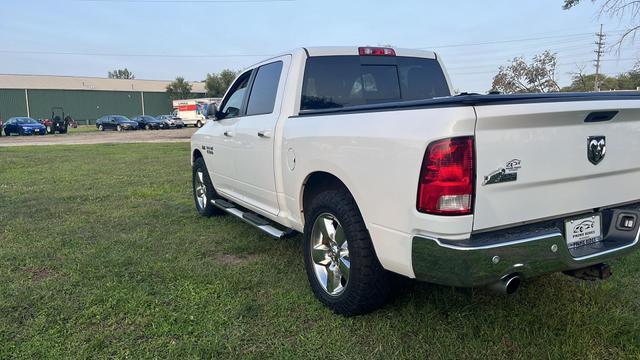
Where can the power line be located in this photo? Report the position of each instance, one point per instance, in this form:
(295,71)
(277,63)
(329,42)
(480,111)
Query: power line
(560,64)
(71,53)
(153,55)
(505,41)
(185,1)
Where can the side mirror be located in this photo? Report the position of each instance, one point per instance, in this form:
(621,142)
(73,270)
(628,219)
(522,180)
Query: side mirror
(212,112)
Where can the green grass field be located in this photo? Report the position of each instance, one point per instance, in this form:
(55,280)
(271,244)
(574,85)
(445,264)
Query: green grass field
(103,255)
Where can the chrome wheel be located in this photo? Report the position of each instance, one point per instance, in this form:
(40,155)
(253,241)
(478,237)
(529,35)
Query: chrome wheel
(330,254)
(201,190)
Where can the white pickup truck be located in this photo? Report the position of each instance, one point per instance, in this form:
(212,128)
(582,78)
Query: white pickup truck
(366,152)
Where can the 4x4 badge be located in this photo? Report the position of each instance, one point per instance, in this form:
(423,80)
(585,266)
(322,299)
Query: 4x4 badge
(596,149)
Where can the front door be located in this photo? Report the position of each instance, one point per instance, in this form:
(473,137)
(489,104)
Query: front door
(222,135)
(255,134)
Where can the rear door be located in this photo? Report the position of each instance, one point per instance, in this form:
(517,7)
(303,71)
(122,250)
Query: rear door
(542,160)
(256,131)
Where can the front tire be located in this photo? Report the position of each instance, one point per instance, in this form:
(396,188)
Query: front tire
(341,263)
(203,191)
(100,128)
(119,128)
(199,124)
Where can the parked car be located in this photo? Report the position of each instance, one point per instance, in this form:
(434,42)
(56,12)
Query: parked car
(147,122)
(23,126)
(115,122)
(1,126)
(170,122)
(366,152)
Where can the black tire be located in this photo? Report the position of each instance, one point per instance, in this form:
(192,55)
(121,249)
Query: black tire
(208,209)
(6,132)
(20,132)
(49,130)
(147,127)
(118,128)
(100,127)
(369,284)
(199,124)
(63,130)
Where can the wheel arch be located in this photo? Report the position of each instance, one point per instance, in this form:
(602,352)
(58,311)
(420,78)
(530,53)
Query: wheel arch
(317,182)
(196,154)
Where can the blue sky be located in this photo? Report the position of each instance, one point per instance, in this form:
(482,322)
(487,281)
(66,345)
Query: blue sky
(196,37)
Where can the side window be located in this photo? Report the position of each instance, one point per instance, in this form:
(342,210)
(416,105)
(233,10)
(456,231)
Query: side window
(265,87)
(233,104)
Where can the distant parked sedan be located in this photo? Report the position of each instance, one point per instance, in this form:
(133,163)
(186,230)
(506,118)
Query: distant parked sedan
(23,126)
(115,122)
(147,122)
(171,122)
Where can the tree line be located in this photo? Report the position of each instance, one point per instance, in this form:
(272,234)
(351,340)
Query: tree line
(539,76)
(215,84)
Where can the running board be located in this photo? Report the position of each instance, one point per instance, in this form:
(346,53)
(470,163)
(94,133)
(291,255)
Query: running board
(253,219)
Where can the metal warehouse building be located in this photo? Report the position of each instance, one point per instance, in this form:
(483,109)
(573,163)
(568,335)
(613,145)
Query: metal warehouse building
(84,98)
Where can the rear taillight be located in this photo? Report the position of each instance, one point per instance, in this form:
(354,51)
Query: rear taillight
(379,51)
(447,177)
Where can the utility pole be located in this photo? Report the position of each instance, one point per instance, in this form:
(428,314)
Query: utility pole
(599,52)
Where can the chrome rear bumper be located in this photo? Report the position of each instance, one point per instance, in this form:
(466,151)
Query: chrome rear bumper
(527,251)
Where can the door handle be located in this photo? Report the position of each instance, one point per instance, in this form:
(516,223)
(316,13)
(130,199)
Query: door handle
(264,133)
(228,133)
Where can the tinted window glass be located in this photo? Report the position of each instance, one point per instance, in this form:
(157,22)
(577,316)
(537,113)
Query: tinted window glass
(120,118)
(342,81)
(233,104)
(26,120)
(264,89)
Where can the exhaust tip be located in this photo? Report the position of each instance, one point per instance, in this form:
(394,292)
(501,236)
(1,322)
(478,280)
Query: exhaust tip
(512,284)
(508,284)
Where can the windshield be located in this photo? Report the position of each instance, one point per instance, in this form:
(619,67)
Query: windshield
(26,121)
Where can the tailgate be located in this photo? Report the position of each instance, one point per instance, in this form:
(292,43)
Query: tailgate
(542,160)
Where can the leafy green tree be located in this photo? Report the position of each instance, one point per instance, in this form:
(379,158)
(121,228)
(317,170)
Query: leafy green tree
(585,82)
(217,84)
(522,77)
(121,74)
(179,89)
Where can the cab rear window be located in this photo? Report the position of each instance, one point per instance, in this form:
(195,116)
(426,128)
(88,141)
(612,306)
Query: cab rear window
(342,81)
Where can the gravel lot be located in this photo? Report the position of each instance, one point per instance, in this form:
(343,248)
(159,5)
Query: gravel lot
(96,137)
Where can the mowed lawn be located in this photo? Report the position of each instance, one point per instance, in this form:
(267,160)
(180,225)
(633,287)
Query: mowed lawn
(103,255)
